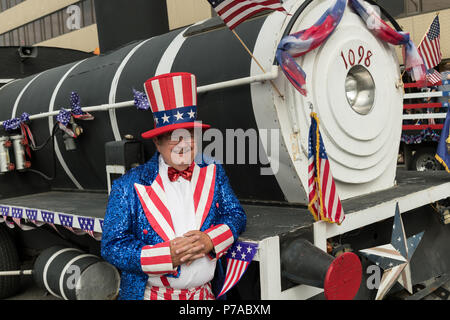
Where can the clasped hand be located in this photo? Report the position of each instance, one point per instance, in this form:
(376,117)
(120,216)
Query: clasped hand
(193,245)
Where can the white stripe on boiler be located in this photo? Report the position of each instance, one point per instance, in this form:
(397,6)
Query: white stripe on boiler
(16,104)
(113,90)
(50,124)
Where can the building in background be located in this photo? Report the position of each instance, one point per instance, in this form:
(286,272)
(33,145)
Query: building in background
(72,24)
(416,16)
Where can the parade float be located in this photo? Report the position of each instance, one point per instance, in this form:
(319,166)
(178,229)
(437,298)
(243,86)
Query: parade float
(73,129)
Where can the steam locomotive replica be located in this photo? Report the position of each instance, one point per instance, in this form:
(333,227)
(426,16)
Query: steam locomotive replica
(54,195)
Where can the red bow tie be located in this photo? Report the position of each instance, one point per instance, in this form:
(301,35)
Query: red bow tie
(186,173)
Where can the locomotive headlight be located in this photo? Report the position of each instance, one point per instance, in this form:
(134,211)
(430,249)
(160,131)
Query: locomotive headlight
(360,89)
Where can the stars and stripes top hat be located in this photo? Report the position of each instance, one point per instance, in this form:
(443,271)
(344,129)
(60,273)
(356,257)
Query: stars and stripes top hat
(173,100)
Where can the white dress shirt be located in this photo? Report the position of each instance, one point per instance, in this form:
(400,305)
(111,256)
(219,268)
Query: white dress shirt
(180,204)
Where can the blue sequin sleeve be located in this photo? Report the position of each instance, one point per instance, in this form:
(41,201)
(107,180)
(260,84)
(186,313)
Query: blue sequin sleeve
(119,246)
(231,212)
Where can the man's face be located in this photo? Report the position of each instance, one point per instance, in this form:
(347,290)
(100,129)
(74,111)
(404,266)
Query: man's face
(178,148)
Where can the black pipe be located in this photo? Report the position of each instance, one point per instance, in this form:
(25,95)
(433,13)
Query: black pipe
(304,263)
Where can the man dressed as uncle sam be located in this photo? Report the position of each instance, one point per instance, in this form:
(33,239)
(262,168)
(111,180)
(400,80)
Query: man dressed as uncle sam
(169,220)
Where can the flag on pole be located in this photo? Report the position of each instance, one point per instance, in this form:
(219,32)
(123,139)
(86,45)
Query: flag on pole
(442,153)
(234,12)
(433,77)
(324,202)
(239,256)
(430,48)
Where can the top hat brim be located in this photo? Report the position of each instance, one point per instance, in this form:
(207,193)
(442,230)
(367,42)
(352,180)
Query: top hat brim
(161,130)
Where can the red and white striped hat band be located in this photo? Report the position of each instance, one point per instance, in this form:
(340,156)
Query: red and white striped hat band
(173,100)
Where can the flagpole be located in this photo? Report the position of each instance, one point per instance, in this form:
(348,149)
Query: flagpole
(257,62)
(423,38)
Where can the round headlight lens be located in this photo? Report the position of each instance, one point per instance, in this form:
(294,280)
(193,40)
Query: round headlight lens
(360,89)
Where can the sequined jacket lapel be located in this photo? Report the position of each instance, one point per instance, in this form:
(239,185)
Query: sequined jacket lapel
(154,201)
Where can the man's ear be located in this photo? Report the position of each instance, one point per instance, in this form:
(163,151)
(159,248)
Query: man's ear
(156,142)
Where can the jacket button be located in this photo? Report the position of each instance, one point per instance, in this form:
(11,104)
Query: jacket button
(145,231)
(217,205)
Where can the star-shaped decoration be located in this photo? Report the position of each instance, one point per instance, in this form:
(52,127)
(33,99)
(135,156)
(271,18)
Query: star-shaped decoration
(243,256)
(165,118)
(179,115)
(233,254)
(394,258)
(156,120)
(239,247)
(249,249)
(191,114)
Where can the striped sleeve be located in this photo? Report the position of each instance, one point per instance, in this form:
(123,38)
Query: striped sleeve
(156,260)
(222,238)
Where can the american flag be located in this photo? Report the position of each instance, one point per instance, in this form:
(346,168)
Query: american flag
(234,12)
(238,258)
(433,77)
(324,202)
(430,48)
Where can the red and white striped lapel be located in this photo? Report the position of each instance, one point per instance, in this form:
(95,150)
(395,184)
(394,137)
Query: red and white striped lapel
(203,182)
(154,202)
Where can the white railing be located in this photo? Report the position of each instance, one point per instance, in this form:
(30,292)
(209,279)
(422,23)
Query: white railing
(273,74)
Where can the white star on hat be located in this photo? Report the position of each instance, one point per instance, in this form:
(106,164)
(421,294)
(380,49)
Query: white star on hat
(179,115)
(165,118)
(191,114)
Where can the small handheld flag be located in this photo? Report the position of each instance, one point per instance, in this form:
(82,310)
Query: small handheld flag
(433,77)
(324,202)
(239,256)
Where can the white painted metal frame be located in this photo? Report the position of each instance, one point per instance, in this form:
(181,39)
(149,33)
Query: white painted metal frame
(424,116)
(270,274)
(269,249)
(435,94)
(110,169)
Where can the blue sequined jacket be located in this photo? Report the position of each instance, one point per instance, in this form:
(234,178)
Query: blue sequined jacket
(126,229)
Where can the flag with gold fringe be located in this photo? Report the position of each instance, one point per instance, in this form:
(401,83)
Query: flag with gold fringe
(324,202)
(442,153)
